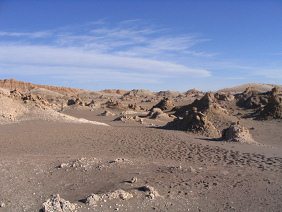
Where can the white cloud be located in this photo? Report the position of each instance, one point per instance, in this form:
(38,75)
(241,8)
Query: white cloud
(48,56)
(124,53)
(269,73)
(129,37)
(37,34)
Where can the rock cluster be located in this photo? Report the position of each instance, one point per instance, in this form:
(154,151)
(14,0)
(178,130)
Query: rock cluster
(157,113)
(107,113)
(125,118)
(150,191)
(251,99)
(273,109)
(204,116)
(165,104)
(93,199)
(196,122)
(115,104)
(221,96)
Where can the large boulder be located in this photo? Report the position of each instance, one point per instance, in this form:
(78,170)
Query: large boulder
(237,133)
(165,104)
(196,122)
(58,204)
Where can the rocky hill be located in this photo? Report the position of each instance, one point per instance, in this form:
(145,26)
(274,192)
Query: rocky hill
(254,86)
(12,84)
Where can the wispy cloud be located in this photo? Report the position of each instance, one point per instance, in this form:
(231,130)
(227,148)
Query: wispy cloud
(125,38)
(75,57)
(269,73)
(124,53)
(37,34)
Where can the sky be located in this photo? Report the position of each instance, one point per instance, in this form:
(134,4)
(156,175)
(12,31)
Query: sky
(150,44)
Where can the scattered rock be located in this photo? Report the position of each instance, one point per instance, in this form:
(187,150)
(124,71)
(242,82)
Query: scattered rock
(168,94)
(251,98)
(125,118)
(120,160)
(223,96)
(118,194)
(193,170)
(75,101)
(115,104)
(138,93)
(92,104)
(135,107)
(93,199)
(150,191)
(58,204)
(133,180)
(193,93)
(2,205)
(64,165)
(86,163)
(157,113)
(165,104)
(107,113)
(205,116)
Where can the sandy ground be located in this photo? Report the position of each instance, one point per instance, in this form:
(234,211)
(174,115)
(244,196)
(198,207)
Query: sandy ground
(190,172)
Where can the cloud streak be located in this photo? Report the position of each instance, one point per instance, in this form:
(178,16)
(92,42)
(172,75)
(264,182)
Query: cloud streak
(123,53)
(74,57)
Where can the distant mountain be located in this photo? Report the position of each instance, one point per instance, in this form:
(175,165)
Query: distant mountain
(12,84)
(255,86)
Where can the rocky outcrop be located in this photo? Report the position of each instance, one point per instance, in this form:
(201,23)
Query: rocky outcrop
(157,113)
(58,204)
(114,91)
(252,99)
(107,113)
(165,104)
(93,199)
(204,116)
(273,109)
(237,133)
(193,93)
(196,122)
(12,84)
(150,192)
(115,104)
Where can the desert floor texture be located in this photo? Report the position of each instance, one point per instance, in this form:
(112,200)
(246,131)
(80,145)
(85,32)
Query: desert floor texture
(64,149)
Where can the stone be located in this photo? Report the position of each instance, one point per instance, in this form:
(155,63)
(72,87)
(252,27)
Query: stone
(58,204)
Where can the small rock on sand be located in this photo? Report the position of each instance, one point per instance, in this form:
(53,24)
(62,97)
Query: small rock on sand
(150,191)
(107,113)
(2,205)
(58,204)
(133,180)
(118,194)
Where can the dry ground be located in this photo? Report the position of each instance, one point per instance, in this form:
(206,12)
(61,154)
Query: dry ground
(191,173)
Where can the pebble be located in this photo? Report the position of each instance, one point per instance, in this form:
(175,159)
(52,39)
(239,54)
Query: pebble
(2,205)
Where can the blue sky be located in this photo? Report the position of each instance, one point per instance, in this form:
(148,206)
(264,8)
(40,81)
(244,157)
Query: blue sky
(152,44)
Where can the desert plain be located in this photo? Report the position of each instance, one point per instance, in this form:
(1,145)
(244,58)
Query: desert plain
(66,149)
